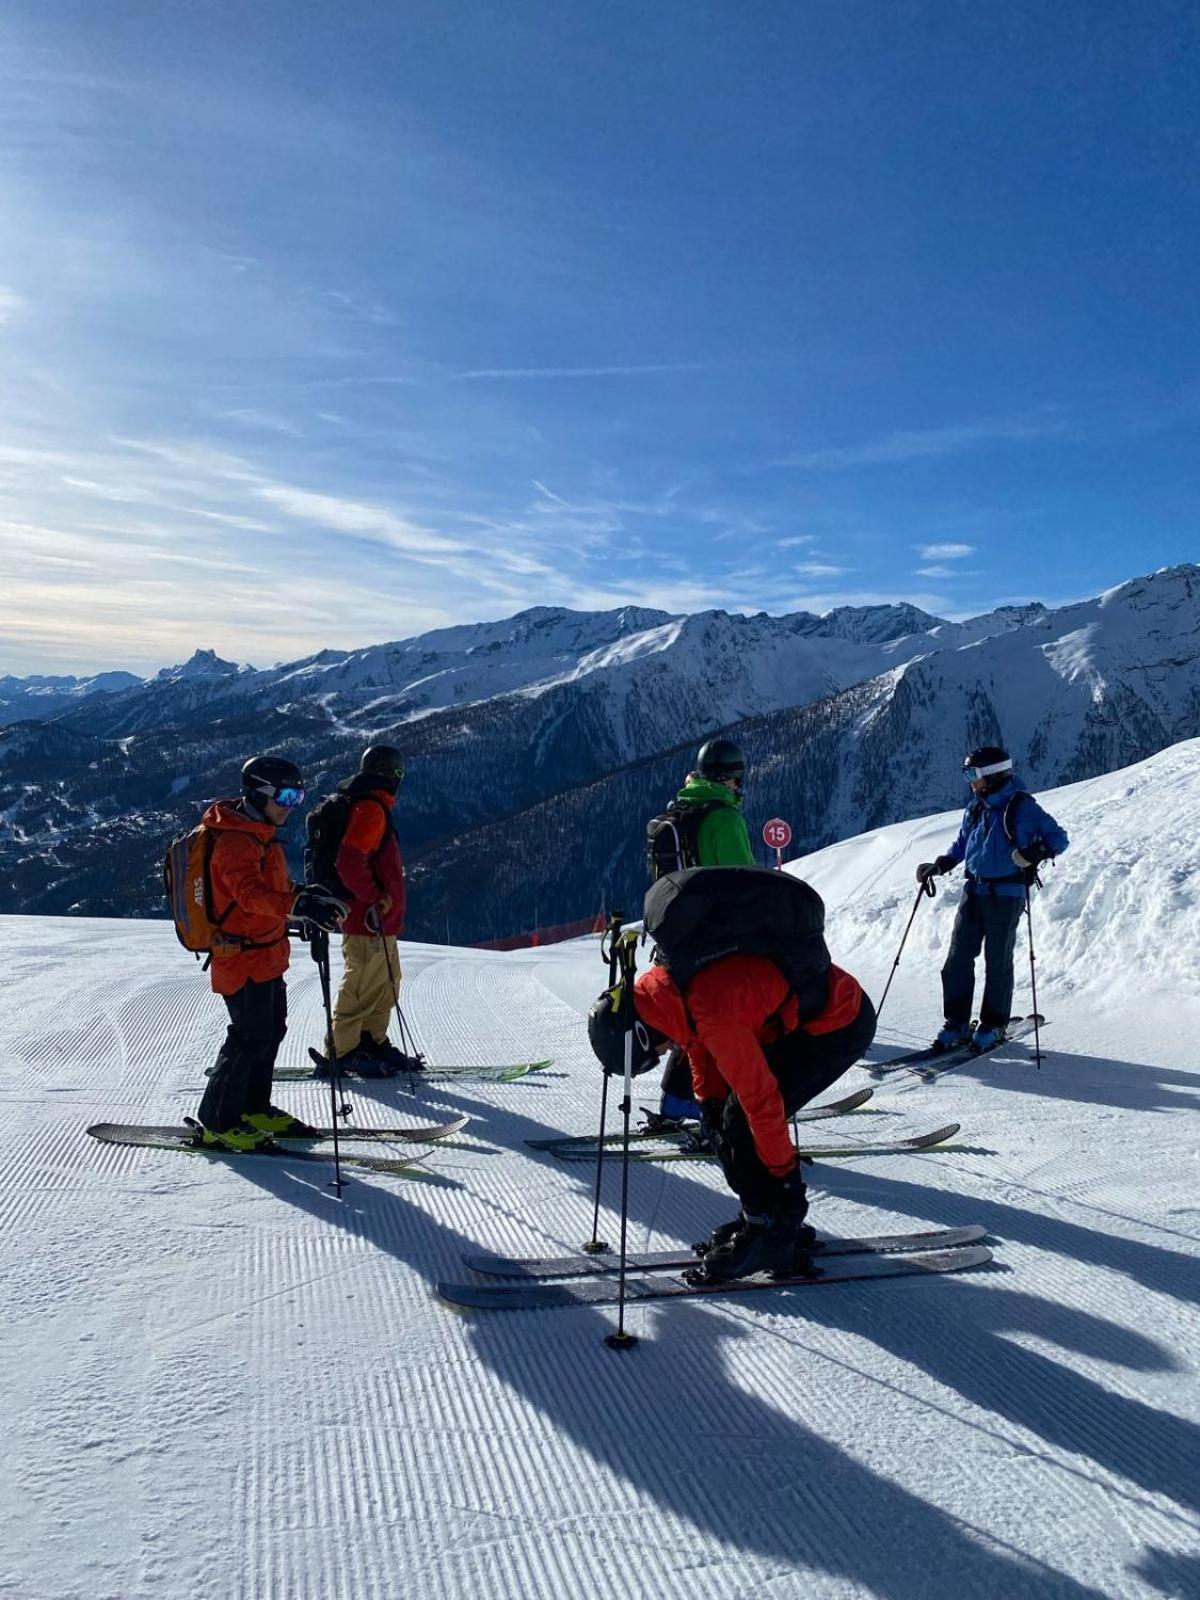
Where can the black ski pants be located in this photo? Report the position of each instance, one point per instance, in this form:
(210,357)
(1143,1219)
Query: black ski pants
(986,922)
(804,1064)
(241,1080)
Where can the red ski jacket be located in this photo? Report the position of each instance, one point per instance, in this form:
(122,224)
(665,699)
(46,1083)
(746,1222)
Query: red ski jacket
(369,863)
(734,1007)
(248,869)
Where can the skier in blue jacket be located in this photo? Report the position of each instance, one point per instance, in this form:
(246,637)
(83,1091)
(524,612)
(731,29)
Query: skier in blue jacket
(1004,836)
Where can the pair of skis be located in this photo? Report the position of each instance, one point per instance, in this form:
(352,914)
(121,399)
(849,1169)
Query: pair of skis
(931,1062)
(185,1138)
(661,1275)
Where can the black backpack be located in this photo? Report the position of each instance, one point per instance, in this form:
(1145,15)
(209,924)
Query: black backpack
(672,838)
(702,915)
(1010,810)
(326,828)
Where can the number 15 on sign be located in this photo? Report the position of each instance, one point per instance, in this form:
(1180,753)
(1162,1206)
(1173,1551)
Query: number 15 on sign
(778,835)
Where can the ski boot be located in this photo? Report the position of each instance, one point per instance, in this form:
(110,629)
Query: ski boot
(241,1138)
(775,1241)
(720,1235)
(282,1123)
(779,1245)
(385,1052)
(359,1061)
(987,1036)
(655,1122)
(954,1036)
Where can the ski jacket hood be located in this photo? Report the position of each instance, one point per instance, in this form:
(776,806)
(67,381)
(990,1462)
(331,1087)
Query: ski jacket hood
(986,850)
(722,839)
(249,871)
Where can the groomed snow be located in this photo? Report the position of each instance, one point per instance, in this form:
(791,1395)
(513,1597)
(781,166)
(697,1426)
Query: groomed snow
(220,1381)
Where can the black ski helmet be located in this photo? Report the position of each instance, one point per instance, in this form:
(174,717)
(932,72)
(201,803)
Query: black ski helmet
(383,761)
(720,759)
(606,1033)
(992,763)
(265,777)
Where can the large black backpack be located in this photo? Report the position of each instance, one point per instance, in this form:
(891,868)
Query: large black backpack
(326,828)
(704,914)
(672,838)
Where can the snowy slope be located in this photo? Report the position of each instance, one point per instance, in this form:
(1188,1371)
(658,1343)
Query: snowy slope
(219,1380)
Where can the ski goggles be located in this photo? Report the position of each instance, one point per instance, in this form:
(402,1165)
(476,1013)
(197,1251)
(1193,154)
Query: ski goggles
(973,774)
(288,797)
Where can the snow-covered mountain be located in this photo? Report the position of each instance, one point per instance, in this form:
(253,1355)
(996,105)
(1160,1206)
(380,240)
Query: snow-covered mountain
(1027,1431)
(40,696)
(537,746)
(1072,693)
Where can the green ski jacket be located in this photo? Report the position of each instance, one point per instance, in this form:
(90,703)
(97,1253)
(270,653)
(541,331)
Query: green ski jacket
(723,840)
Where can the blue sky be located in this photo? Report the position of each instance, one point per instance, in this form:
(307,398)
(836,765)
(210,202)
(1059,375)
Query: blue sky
(323,325)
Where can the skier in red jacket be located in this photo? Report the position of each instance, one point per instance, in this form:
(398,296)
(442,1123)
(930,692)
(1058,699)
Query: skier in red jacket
(754,1060)
(370,866)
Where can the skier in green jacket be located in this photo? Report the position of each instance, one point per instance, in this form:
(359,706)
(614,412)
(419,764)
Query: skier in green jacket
(702,827)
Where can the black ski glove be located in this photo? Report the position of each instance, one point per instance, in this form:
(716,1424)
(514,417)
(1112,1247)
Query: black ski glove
(1030,855)
(316,905)
(935,869)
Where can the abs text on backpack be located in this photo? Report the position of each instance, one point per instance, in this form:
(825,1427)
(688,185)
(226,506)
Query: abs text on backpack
(187,879)
(672,838)
(704,914)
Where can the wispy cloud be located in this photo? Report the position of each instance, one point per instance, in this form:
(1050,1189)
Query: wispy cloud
(924,444)
(643,370)
(795,540)
(12,305)
(250,417)
(818,569)
(944,552)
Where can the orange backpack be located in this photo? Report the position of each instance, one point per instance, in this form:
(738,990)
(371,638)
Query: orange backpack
(187,879)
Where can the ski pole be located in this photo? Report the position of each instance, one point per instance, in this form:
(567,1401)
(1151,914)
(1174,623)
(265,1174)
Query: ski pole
(320,954)
(595,1245)
(407,1043)
(1037,1021)
(926,887)
(622,1339)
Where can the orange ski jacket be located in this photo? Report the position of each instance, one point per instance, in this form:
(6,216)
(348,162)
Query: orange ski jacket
(250,872)
(734,1007)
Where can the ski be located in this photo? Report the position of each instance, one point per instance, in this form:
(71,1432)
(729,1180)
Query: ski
(431,1133)
(508,1072)
(942,1060)
(588,1142)
(545,1269)
(929,1071)
(891,1147)
(606,1291)
(170,1138)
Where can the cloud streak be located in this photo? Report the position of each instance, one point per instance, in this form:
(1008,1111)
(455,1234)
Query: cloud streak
(923,444)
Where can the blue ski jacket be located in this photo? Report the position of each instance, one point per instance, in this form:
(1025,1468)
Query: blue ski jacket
(985,848)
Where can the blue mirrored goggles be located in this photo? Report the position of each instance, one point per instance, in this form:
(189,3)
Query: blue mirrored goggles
(288,797)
